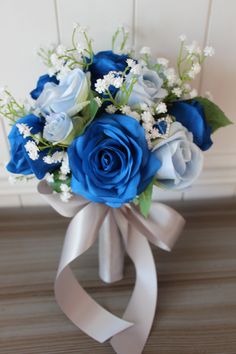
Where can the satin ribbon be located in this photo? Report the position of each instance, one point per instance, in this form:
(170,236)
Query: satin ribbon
(123,228)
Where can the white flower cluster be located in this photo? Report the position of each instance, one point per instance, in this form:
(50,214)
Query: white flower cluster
(197,56)
(189,64)
(194,71)
(113,78)
(195,49)
(161,108)
(177,91)
(49,177)
(32,150)
(111,109)
(135,68)
(60,60)
(126,110)
(65,168)
(149,124)
(171,76)
(65,194)
(59,67)
(163,62)
(56,157)
(59,157)
(24,129)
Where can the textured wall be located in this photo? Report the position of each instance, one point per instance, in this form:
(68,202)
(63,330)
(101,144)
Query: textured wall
(27,24)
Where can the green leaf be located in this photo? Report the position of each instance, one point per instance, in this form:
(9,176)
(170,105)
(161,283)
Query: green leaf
(145,199)
(214,115)
(88,114)
(80,122)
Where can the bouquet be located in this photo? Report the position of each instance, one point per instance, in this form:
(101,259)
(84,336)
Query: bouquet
(100,132)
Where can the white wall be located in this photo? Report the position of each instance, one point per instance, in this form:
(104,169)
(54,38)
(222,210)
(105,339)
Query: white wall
(27,24)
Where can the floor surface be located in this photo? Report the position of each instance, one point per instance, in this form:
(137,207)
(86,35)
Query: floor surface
(196,311)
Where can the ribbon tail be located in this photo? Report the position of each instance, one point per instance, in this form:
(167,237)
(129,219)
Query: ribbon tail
(142,304)
(111,251)
(74,301)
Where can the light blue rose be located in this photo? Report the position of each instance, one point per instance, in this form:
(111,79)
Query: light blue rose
(148,88)
(181,159)
(57,128)
(70,96)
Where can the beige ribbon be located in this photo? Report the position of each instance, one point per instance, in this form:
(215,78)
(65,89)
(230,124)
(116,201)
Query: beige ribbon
(120,229)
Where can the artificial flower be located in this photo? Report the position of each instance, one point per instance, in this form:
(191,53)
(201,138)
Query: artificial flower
(181,159)
(41,83)
(57,128)
(25,157)
(147,90)
(110,162)
(104,62)
(69,96)
(191,115)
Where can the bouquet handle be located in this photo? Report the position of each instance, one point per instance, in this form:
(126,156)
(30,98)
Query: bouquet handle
(111,251)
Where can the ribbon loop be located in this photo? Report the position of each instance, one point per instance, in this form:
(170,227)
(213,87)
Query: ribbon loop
(158,227)
(128,335)
(81,309)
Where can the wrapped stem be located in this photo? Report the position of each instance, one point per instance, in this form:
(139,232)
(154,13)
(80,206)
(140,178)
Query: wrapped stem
(111,251)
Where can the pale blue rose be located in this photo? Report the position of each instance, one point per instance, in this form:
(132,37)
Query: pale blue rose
(148,88)
(57,128)
(69,96)
(181,159)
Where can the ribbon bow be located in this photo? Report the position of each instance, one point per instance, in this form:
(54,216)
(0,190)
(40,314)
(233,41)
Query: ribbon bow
(123,228)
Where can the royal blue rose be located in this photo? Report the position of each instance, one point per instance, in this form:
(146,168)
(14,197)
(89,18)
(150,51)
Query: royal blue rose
(110,162)
(41,83)
(20,162)
(191,115)
(106,61)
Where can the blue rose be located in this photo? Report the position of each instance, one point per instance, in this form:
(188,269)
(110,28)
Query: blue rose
(106,61)
(191,115)
(40,85)
(20,162)
(57,128)
(110,162)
